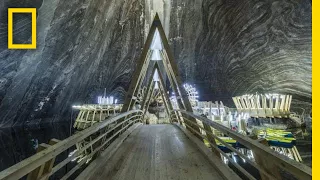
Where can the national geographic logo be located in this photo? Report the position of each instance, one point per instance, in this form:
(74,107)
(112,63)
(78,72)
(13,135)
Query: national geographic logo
(33,12)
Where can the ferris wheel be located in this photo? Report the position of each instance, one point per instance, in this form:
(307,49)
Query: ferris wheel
(192,94)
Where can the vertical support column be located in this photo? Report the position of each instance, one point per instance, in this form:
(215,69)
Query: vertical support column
(218,108)
(290,99)
(210,110)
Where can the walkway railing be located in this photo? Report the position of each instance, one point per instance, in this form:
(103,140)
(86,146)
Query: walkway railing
(96,138)
(269,163)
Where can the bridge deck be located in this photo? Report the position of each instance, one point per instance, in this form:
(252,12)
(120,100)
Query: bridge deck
(156,152)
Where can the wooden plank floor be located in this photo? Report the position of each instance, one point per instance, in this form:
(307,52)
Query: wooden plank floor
(156,152)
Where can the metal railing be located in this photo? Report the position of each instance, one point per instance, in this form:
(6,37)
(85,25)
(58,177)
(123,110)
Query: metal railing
(97,137)
(270,164)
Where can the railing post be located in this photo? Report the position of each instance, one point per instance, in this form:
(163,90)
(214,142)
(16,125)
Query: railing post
(265,164)
(49,164)
(211,139)
(124,124)
(174,114)
(178,117)
(37,173)
(46,167)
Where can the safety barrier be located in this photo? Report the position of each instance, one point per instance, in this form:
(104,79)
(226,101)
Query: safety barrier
(97,137)
(269,163)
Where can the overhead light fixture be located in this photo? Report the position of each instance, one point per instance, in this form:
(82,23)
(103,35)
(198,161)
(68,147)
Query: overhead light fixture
(102,100)
(76,106)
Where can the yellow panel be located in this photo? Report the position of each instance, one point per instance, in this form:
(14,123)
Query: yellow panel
(33,12)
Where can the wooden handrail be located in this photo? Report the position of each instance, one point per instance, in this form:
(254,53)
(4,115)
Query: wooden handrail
(299,170)
(268,155)
(26,166)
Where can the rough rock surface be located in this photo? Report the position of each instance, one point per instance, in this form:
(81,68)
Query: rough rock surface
(83,46)
(234,47)
(225,47)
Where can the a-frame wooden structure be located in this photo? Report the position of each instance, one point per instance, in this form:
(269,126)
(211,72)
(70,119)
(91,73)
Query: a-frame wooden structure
(170,68)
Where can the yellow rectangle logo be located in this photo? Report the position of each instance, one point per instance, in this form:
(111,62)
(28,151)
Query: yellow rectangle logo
(33,12)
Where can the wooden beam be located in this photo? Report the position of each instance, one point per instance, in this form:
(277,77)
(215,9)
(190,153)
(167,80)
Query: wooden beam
(37,173)
(137,73)
(150,81)
(140,81)
(173,81)
(49,164)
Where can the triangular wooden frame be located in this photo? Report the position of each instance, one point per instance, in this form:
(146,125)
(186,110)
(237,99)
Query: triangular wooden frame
(170,67)
(171,70)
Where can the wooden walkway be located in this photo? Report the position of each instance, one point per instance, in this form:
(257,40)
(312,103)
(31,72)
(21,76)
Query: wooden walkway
(154,152)
(126,149)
